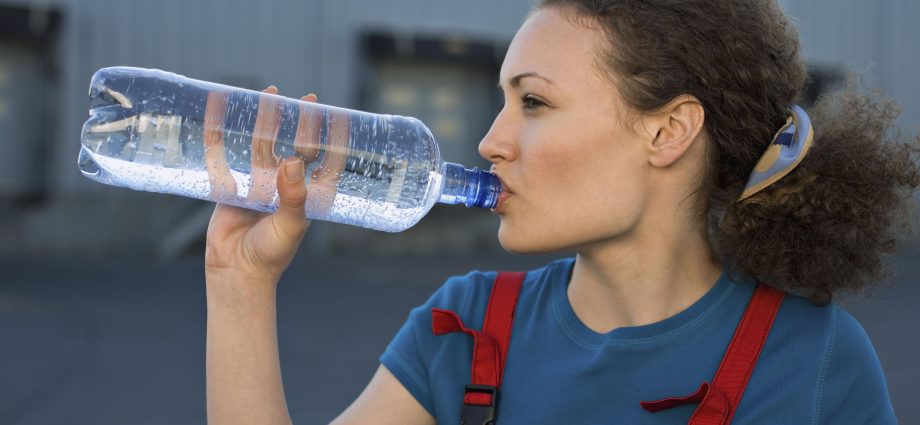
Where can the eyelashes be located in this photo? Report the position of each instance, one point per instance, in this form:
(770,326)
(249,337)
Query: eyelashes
(529,103)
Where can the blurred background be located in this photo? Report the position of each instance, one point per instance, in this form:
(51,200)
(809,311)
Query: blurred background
(101,292)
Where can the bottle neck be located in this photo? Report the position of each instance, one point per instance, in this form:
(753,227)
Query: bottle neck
(473,188)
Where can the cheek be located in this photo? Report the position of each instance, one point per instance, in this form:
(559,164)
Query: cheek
(582,189)
(596,167)
(614,181)
(553,153)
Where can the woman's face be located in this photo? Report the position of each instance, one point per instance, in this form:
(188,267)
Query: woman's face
(575,174)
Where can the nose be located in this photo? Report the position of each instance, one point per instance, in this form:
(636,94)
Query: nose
(499,145)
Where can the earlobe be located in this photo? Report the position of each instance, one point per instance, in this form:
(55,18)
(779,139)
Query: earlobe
(679,125)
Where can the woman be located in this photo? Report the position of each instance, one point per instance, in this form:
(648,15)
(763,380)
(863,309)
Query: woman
(629,132)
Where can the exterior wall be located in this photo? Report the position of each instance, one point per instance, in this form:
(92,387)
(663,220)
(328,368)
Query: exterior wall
(300,46)
(875,41)
(314,46)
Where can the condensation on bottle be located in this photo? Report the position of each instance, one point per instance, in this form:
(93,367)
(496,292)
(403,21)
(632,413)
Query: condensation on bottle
(161,132)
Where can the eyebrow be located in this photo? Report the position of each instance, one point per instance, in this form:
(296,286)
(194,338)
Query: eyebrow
(515,81)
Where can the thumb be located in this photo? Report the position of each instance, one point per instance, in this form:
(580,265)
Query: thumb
(292,193)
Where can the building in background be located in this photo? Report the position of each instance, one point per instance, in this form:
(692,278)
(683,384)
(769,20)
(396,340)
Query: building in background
(434,60)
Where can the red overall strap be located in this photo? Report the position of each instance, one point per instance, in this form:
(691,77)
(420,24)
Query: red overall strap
(719,400)
(490,346)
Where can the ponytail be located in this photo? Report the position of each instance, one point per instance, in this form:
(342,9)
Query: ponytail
(826,227)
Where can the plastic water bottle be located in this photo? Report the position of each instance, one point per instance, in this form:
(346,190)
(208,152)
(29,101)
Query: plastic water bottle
(161,132)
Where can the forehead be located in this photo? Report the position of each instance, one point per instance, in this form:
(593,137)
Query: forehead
(552,44)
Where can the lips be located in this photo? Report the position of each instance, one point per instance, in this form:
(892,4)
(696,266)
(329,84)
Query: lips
(501,200)
(503,196)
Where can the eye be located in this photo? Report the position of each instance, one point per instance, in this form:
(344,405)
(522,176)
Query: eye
(531,103)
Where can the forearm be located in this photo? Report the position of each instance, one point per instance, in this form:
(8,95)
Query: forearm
(243,369)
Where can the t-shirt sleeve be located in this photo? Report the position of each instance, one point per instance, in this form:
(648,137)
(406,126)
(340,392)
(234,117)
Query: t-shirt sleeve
(409,355)
(854,389)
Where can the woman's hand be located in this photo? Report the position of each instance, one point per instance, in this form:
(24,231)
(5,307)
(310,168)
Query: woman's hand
(245,256)
(245,245)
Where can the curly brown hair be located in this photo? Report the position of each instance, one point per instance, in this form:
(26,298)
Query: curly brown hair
(825,227)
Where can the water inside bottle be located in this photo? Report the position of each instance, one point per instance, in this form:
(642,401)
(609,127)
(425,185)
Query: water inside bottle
(206,142)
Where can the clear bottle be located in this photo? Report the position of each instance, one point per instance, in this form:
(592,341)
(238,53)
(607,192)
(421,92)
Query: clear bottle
(161,132)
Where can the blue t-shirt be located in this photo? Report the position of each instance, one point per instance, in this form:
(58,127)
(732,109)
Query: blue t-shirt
(817,366)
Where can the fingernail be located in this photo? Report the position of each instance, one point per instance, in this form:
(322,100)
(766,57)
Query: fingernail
(293,171)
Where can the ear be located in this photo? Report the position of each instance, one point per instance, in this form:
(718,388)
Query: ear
(678,125)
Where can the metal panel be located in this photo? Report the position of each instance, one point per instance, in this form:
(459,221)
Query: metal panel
(21,128)
(313,45)
(301,46)
(902,57)
(872,40)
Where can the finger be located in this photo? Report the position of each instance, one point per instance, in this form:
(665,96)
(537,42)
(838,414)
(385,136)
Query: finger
(264,162)
(325,178)
(290,219)
(222,184)
(309,126)
(271,89)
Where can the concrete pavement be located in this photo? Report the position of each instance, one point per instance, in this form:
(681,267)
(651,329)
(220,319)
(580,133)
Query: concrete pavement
(123,343)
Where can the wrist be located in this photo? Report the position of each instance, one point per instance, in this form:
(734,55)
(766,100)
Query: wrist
(238,290)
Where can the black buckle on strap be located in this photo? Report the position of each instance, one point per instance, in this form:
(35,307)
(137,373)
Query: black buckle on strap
(474,414)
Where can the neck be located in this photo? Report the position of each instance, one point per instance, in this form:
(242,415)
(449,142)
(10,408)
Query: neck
(645,279)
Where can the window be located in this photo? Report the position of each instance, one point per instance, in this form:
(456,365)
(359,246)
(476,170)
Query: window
(24,121)
(448,83)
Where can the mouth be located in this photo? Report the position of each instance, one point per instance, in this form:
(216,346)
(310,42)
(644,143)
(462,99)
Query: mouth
(501,201)
(502,197)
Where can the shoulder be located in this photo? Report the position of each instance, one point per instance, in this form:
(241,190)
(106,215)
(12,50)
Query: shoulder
(841,336)
(853,384)
(468,295)
(850,386)
(851,342)
(818,363)
(459,291)
(415,351)
(834,333)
